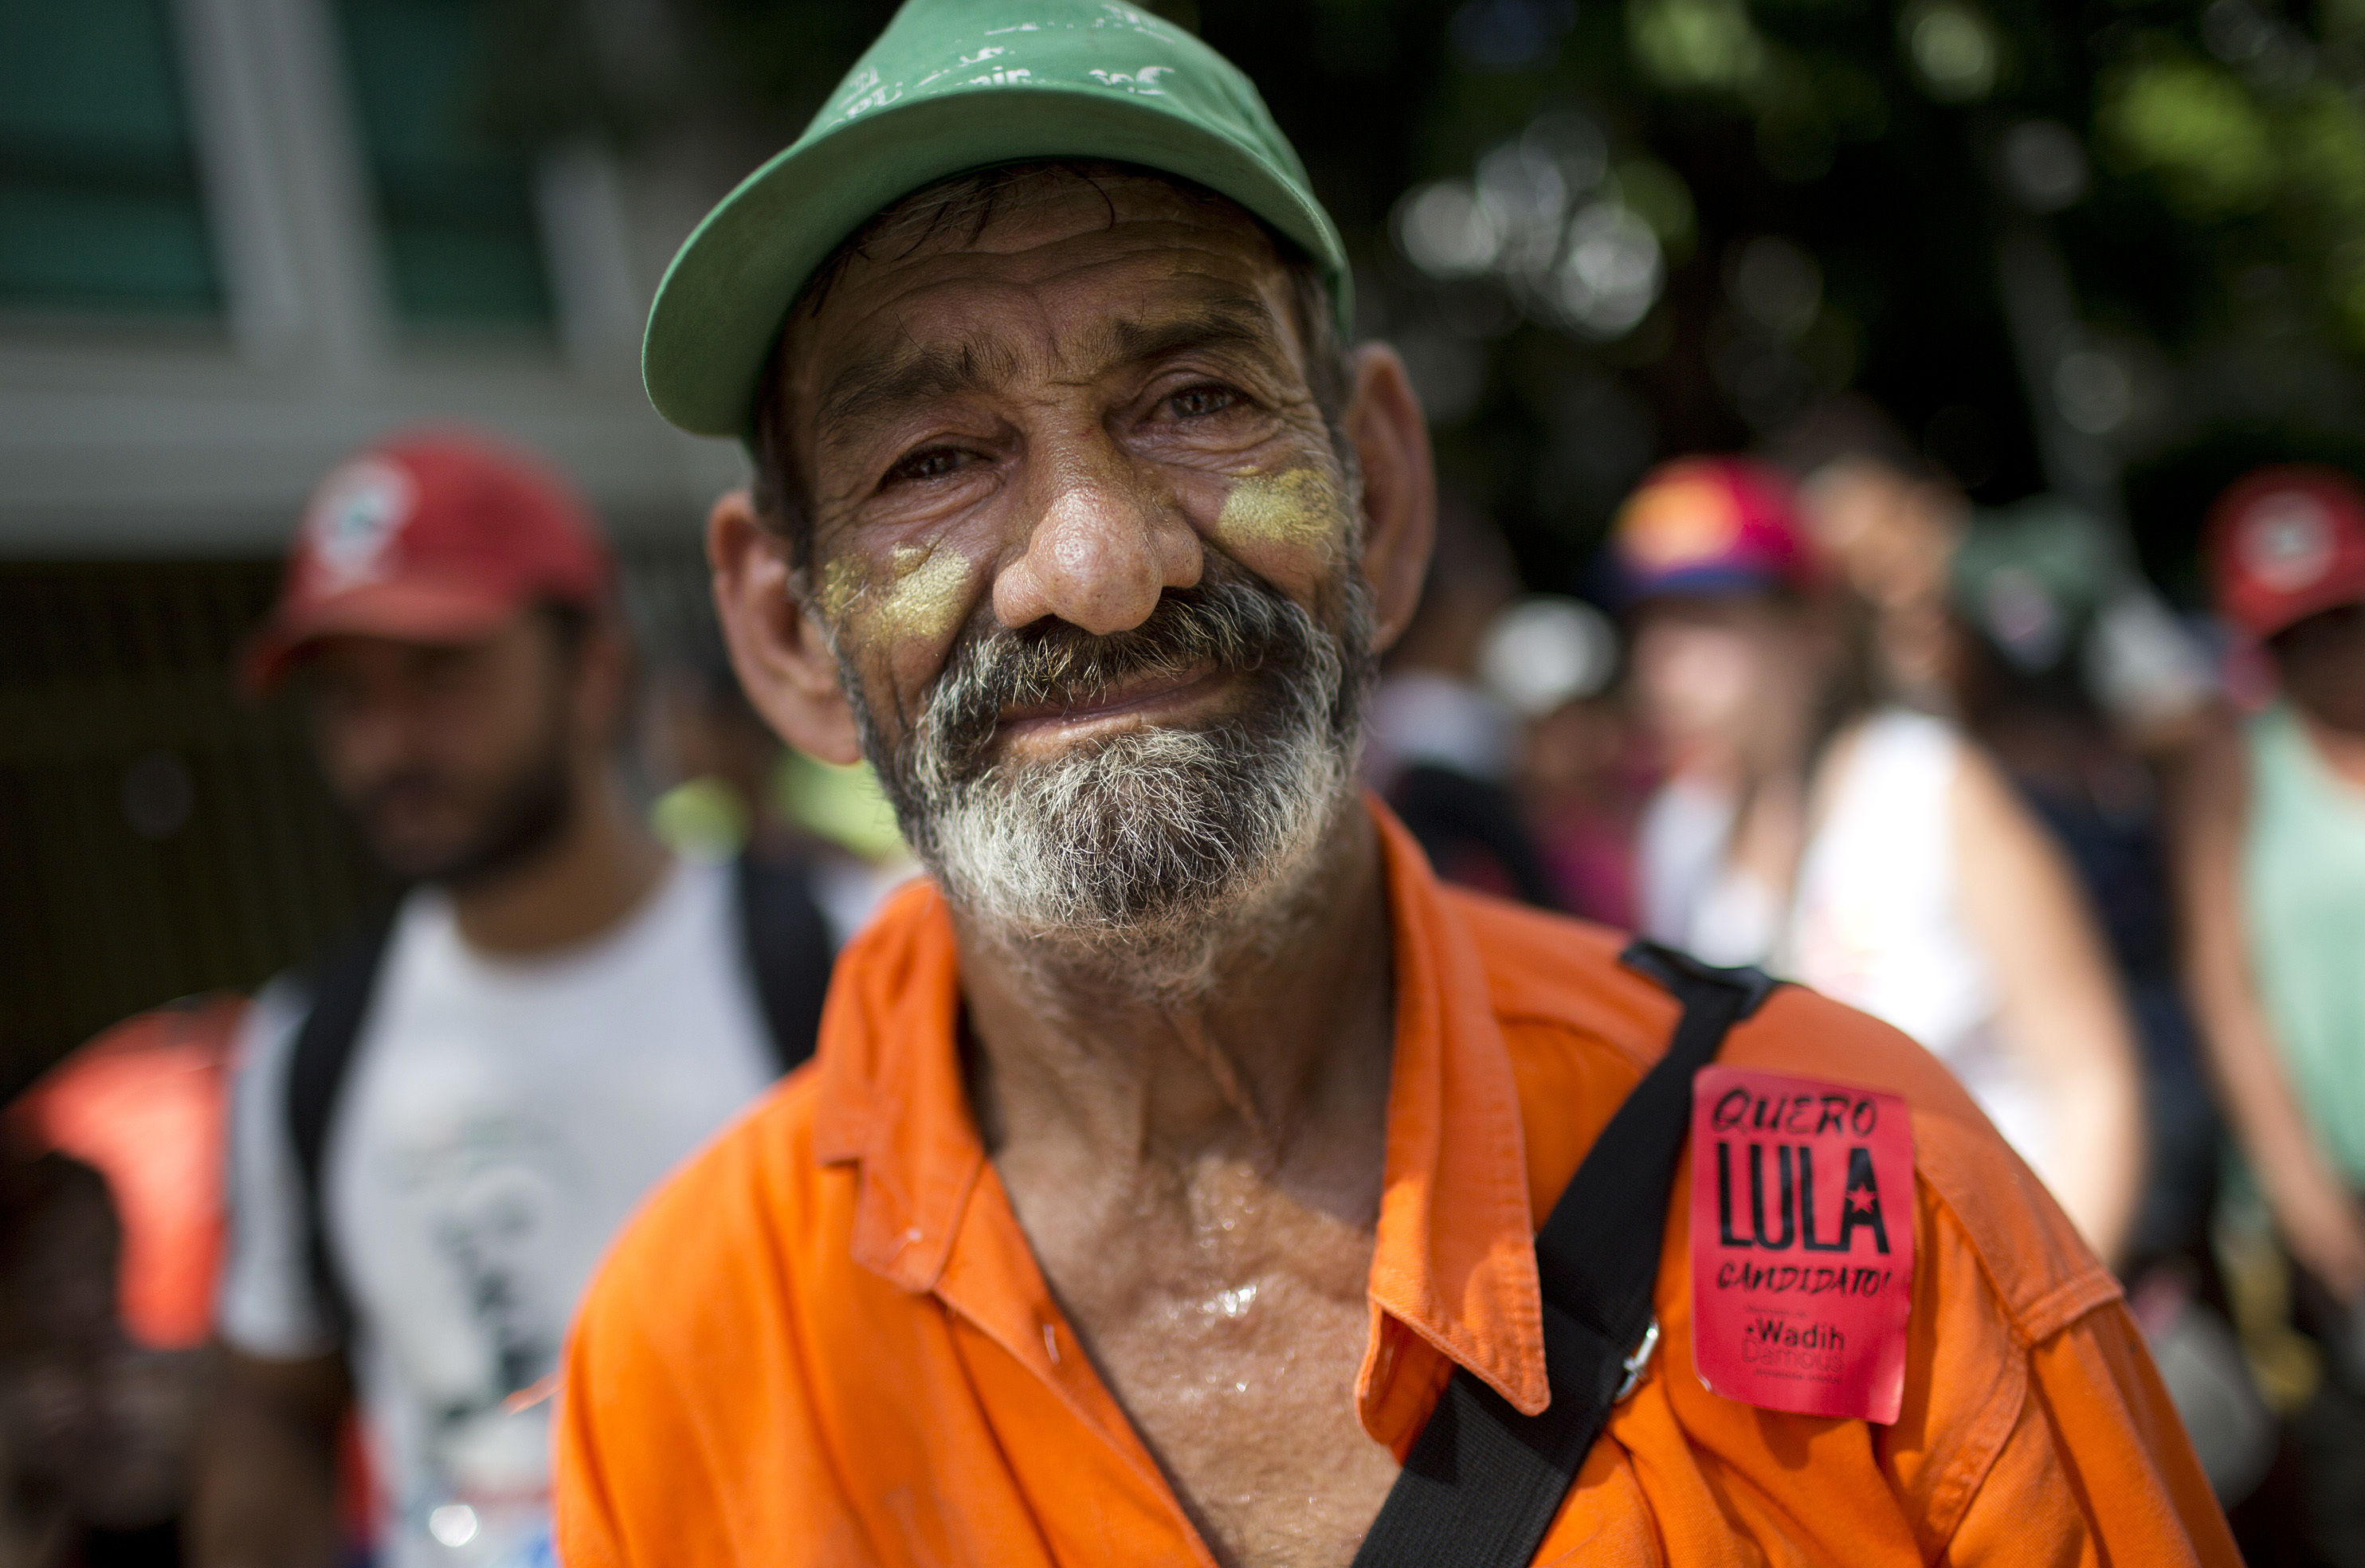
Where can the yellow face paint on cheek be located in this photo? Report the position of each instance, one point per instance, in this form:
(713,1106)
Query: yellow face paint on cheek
(925,599)
(1301,509)
(841,582)
(918,594)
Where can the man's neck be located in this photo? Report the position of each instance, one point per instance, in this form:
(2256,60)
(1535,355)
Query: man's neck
(1281,1063)
(592,874)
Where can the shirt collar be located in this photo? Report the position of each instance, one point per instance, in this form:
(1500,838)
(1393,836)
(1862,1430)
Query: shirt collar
(1455,1258)
(1455,1261)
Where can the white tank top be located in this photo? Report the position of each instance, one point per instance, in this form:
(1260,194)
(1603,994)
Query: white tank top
(1876,920)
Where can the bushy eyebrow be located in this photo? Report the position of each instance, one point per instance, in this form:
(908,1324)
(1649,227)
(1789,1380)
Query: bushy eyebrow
(873,390)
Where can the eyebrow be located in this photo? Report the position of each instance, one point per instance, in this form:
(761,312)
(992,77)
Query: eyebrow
(872,390)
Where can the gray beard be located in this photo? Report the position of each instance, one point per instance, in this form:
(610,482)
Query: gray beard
(1140,860)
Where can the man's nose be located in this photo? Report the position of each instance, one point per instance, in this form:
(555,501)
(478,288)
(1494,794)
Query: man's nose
(1106,545)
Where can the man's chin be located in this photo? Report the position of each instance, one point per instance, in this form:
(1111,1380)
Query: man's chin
(456,863)
(460,839)
(413,854)
(1146,871)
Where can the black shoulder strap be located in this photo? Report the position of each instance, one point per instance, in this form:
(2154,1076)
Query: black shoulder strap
(316,1074)
(787,946)
(1482,1482)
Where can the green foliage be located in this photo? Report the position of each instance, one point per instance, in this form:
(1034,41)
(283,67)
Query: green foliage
(1664,202)
(1691,44)
(2207,160)
(2194,126)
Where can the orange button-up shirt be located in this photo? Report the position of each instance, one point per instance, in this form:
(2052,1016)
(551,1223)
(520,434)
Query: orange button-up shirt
(826,1341)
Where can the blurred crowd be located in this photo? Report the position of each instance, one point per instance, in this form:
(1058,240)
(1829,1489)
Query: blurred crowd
(284,1279)
(1967,771)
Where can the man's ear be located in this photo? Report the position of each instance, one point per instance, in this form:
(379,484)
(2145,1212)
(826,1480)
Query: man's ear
(781,653)
(1391,436)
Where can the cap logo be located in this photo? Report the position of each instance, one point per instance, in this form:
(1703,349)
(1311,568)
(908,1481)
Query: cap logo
(1680,522)
(864,92)
(2287,543)
(1142,81)
(354,517)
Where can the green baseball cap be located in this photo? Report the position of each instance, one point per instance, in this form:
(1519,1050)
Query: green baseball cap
(953,85)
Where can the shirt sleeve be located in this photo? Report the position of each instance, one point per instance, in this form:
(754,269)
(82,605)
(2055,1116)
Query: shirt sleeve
(634,1478)
(265,1304)
(686,1430)
(583,1516)
(2097,1468)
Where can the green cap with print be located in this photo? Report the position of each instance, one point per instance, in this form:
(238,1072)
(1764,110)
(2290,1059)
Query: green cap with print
(953,85)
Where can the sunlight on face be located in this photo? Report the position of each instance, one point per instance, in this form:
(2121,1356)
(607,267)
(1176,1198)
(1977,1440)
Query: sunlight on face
(1086,553)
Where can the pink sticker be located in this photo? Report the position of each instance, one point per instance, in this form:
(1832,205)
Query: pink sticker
(1802,1242)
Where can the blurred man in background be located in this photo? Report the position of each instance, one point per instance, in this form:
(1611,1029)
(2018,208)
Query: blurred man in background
(2033,632)
(1866,849)
(110,1230)
(2273,861)
(1891,523)
(2036,680)
(433,1142)
(2032,590)
(1888,524)
(95,1427)
(1583,770)
(729,787)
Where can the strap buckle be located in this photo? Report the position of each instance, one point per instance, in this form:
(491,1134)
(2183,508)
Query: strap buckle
(1636,1363)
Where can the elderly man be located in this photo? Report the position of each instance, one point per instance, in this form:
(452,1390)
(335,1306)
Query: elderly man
(1167,1187)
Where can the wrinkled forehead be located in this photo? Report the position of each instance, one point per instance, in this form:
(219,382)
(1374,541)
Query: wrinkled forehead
(1084,247)
(991,210)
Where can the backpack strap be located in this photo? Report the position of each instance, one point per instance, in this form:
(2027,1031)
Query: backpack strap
(1482,1482)
(316,1078)
(786,943)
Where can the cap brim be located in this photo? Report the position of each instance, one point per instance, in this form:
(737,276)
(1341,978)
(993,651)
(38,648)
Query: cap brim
(1718,581)
(437,615)
(723,300)
(2337,592)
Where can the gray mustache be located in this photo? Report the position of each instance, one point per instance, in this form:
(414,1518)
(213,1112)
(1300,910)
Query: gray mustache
(1234,626)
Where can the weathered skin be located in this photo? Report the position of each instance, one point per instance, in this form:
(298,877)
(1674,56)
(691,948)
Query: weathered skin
(1062,418)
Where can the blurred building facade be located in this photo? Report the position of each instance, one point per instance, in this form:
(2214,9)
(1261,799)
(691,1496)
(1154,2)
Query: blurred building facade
(239,238)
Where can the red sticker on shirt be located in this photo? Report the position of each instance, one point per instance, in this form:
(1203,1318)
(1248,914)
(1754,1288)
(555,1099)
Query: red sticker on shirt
(1802,1242)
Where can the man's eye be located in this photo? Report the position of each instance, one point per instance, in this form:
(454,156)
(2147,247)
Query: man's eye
(1197,402)
(934,463)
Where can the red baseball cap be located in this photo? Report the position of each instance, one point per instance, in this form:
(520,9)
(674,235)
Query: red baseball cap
(437,536)
(2285,544)
(1712,525)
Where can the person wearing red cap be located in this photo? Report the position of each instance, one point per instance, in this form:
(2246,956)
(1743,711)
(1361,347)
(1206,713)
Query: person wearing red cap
(435,1136)
(1864,849)
(2273,901)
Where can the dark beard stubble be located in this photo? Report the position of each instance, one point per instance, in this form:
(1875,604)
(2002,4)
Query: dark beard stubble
(523,817)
